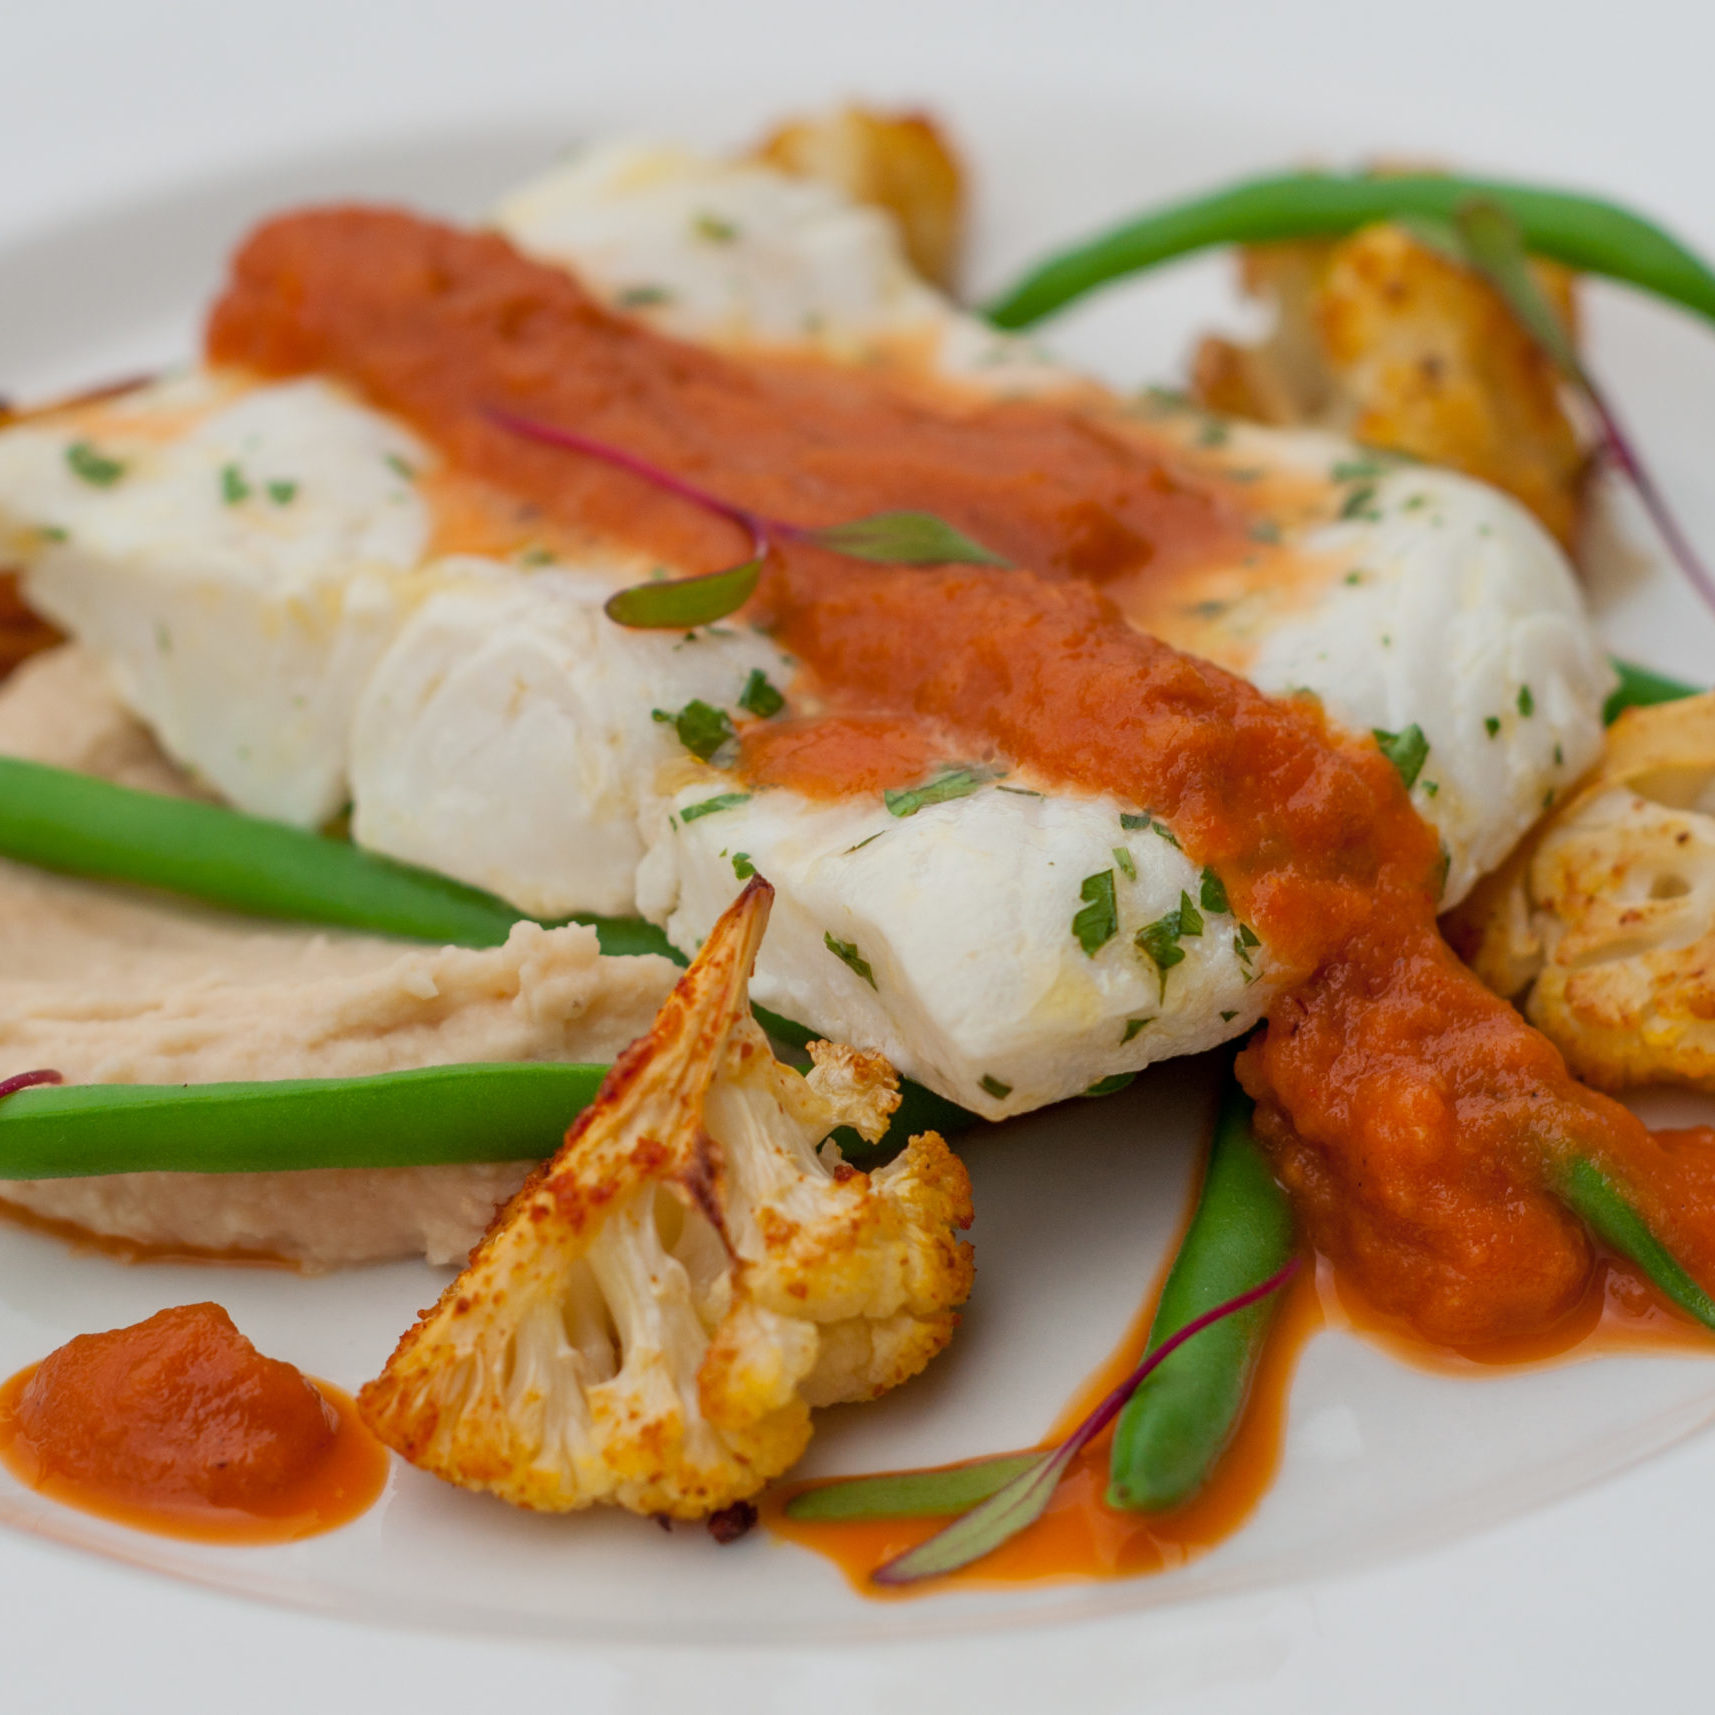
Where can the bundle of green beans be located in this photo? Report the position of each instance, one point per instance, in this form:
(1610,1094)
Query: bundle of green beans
(78,825)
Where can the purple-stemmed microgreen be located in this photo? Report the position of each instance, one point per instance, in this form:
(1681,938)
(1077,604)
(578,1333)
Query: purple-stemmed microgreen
(1491,244)
(27,1081)
(886,538)
(1004,1495)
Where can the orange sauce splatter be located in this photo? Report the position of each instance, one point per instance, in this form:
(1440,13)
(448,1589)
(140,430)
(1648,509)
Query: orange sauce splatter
(179,1426)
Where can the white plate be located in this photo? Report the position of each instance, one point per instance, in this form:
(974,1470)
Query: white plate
(1075,1208)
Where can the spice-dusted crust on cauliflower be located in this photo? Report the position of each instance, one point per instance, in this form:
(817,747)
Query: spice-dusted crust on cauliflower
(900,162)
(651,1318)
(1380,338)
(1604,922)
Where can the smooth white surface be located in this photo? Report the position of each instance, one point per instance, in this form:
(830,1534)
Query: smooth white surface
(1070,112)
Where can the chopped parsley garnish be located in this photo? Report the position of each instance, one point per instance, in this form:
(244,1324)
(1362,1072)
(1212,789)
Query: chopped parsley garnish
(1431,787)
(705,731)
(1356,470)
(742,867)
(759,697)
(401,467)
(1214,433)
(1143,821)
(54,533)
(1133,1026)
(1128,866)
(1407,751)
(536,557)
(1244,942)
(1491,724)
(1559,757)
(1159,942)
(713,806)
(714,228)
(233,487)
(1228,1017)
(1265,530)
(995,1087)
(1190,918)
(862,843)
(92,466)
(1098,921)
(1360,503)
(640,297)
(282,492)
(1111,1085)
(846,952)
(1354,578)
(953,783)
(1526,702)
(1214,894)
(1019,791)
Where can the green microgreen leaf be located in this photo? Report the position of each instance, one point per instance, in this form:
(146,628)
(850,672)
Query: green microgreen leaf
(1214,894)
(713,806)
(705,731)
(1098,921)
(93,467)
(681,603)
(954,783)
(1407,750)
(995,1087)
(846,952)
(911,1494)
(759,697)
(904,539)
(1025,1497)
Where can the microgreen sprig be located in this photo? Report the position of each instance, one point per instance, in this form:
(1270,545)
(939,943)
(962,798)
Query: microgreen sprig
(1029,1480)
(901,538)
(1490,243)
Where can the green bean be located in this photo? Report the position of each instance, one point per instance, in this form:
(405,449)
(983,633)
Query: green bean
(502,1112)
(76,824)
(1181,1420)
(1641,688)
(1584,232)
(1600,1203)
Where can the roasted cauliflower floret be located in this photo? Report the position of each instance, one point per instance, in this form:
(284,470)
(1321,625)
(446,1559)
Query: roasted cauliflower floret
(899,162)
(651,1318)
(1379,337)
(1604,923)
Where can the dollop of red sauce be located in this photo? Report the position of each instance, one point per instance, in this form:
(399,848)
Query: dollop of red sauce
(180,1426)
(1414,1117)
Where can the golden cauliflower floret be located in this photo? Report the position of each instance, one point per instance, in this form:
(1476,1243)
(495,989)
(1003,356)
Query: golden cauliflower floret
(899,162)
(1381,338)
(651,1318)
(1605,923)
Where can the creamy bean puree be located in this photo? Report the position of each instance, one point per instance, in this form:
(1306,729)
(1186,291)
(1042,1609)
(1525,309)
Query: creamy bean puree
(116,985)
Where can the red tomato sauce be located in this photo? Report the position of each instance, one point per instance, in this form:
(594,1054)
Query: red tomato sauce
(180,1426)
(1414,1117)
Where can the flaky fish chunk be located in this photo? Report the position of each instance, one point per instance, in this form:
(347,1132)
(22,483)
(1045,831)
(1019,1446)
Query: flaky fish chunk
(649,1322)
(1605,923)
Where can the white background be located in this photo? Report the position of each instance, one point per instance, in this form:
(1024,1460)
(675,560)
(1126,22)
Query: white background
(1598,1603)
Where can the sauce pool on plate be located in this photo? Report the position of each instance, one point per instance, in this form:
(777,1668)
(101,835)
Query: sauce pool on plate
(178,1425)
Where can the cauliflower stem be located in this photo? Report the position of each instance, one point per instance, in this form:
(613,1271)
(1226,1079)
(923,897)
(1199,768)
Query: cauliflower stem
(650,1320)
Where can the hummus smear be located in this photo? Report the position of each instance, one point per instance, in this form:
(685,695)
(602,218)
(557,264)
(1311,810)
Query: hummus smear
(116,985)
